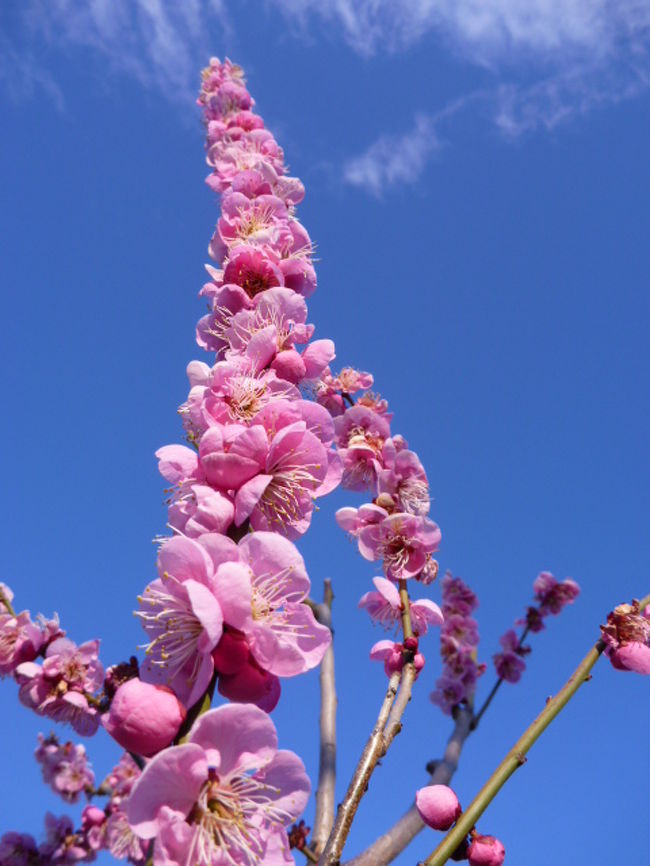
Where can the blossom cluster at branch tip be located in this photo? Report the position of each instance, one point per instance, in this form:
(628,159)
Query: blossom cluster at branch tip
(552,596)
(458,645)
(627,638)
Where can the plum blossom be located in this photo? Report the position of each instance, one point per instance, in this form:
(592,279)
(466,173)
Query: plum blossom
(65,767)
(384,606)
(403,541)
(360,436)
(627,638)
(553,595)
(62,687)
(182,618)
(262,598)
(509,663)
(393,655)
(485,851)
(223,797)
(20,641)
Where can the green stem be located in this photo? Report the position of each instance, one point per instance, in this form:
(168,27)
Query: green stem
(516,756)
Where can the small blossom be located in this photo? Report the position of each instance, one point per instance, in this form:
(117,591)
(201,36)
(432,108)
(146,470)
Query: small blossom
(385,607)
(486,851)
(627,638)
(65,767)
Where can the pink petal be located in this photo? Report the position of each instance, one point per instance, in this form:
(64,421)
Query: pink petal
(249,495)
(172,779)
(244,735)
(184,559)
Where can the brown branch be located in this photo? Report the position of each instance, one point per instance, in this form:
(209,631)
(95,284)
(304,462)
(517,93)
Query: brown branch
(373,751)
(325,793)
(388,846)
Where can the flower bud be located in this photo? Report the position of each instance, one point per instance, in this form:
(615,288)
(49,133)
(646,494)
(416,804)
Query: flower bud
(438,806)
(231,653)
(144,718)
(486,851)
(252,685)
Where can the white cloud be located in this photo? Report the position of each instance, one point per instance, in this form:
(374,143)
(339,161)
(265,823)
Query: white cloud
(159,42)
(484,30)
(394,159)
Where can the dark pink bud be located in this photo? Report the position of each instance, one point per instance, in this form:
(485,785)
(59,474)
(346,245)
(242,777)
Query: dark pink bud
(252,685)
(411,644)
(438,806)
(486,851)
(144,718)
(231,653)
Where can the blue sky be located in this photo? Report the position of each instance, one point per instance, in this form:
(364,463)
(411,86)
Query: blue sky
(477,186)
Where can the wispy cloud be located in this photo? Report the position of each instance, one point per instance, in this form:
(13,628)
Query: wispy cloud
(21,77)
(155,41)
(394,159)
(484,30)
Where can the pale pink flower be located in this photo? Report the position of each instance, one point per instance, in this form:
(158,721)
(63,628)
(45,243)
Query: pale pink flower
(121,841)
(385,607)
(182,618)
(438,806)
(144,718)
(223,797)
(404,480)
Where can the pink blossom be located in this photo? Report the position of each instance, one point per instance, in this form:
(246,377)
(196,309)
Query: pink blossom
(404,542)
(182,618)
(385,607)
(18,849)
(253,269)
(121,841)
(20,641)
(280,498)
(62,845)
(392,655)
(65,767)
(554,595)
(486,851)
(262,597)
(60,688)
(230,766)
(143,717)
(360,436)
(404,480)
(261,221)
(438,806)
(627,638)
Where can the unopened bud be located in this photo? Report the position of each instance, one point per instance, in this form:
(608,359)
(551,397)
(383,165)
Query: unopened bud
(486,851)
(438,806)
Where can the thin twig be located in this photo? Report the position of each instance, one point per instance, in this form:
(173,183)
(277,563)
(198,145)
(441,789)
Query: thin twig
(373,751)
(325,793)
(388,846)
(515,758)
(495,688)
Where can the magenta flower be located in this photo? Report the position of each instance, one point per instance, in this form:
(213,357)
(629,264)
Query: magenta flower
(182,618)
(438,806)
(392,655)
(404,542)
(552,594)
(385,607)
(509,664)
(224,797)
(486,851)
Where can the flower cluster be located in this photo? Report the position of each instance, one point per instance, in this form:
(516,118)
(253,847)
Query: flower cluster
(65,767)
(458,644)
(552,596)
(627,638)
